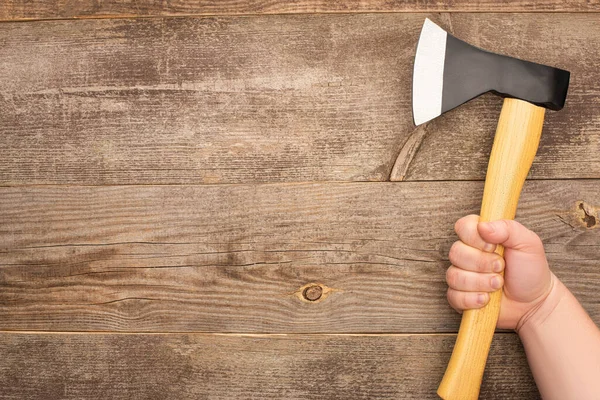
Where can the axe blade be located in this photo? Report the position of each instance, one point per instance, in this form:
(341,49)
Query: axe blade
(428,73)
(449,72)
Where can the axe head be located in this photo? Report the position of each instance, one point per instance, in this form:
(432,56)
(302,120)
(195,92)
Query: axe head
(449,72)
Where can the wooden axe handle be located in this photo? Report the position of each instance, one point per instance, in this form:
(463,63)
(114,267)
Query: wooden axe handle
(515,145)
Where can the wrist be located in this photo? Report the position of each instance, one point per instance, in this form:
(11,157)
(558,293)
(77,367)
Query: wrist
(535,317)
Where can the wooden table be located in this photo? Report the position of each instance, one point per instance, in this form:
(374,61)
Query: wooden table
(224,199)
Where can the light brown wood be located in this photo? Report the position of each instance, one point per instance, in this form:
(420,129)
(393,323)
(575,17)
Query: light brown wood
(279,98)
(515,144)
(43,9)
(191,366)
(270,99)
(233,258)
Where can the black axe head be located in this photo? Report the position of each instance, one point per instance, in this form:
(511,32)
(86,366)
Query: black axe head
(449,72)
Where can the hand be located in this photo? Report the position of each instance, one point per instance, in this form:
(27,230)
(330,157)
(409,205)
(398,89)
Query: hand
(476,270)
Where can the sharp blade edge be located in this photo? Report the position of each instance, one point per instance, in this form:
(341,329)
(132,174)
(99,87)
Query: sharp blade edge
(428,73)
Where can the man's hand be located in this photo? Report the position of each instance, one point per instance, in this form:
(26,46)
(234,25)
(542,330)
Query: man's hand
(476,270)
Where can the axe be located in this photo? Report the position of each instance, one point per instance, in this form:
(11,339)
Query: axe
(447,73)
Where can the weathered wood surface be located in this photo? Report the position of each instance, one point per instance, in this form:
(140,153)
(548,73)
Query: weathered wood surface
(235,258)
(283,98)
(192,366)
(42,9)
(270,99)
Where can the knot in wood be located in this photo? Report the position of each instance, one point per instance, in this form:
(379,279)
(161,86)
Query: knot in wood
(312,293)
(588,217)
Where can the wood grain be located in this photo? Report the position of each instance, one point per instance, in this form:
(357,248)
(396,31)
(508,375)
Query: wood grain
(515,144)
(237,258)
(49,9)
(192,366)
(270,99)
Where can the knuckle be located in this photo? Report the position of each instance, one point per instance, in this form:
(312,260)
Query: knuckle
(473,219)
(465,222)
(451,277)
(454,252)
(454,277)
(453,297)
(458,226)
(450,296)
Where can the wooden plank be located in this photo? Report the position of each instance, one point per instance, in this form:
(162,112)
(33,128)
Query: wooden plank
(237,258)
(270,99)
(48,9)
(192,366)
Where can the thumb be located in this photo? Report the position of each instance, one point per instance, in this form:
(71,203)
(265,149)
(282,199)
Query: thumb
(510,234)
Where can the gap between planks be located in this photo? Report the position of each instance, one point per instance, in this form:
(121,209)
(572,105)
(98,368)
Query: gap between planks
(240,334)
(259,14)
(293,183)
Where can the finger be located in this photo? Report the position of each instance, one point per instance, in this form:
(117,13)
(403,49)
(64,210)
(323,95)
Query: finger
(510,234)
(468,281)
(471,259)
(466,300)
(466,229)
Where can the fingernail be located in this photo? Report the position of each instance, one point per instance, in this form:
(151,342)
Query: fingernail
(497,266)
(488,247)
(496,283)
(481,298)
